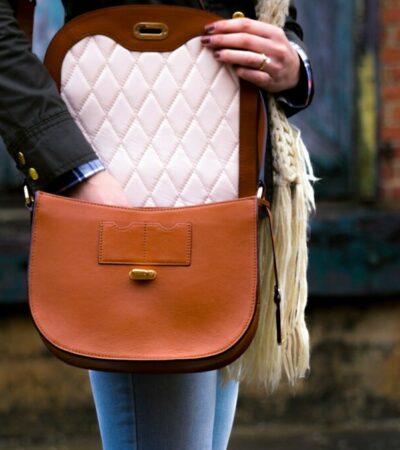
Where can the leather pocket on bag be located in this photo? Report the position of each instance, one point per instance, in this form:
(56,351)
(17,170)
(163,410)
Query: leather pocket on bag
(145,243)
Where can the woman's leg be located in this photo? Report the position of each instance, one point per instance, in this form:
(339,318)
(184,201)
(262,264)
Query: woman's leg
(163,412)
(225,407)
(115,409)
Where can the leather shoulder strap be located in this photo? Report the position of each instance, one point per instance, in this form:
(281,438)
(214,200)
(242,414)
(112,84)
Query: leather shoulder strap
(24,13)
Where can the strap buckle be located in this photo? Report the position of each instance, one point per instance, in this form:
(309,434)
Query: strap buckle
(262,201)
(29,198)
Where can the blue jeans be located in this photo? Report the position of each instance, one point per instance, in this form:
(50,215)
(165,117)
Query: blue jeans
(164,412)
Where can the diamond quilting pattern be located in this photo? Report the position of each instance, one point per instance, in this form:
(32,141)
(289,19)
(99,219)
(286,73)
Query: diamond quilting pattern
(165,124)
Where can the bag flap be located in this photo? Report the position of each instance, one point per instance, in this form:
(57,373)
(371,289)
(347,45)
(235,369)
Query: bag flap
(170,122)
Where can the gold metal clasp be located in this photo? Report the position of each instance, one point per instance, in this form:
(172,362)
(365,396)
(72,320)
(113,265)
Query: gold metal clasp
(142,274)
(238,15)
(150,31)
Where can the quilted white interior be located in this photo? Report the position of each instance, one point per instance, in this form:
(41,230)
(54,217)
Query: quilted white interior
(165,124)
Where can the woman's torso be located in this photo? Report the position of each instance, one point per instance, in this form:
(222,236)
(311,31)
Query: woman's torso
(224,8)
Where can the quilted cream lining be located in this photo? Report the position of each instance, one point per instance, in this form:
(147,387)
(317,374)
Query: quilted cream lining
(165,124)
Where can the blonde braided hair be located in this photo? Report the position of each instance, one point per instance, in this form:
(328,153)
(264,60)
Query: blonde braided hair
(264,362)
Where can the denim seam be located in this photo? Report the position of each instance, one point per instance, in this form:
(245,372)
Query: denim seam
(133,400)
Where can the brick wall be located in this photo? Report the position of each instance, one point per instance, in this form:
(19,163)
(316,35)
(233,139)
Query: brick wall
(390,101)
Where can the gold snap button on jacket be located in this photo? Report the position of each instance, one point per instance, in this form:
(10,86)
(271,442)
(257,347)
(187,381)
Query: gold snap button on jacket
(21,159)
(33,174)
(238,15)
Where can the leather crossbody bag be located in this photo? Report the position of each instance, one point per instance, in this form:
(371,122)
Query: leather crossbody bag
(171,284)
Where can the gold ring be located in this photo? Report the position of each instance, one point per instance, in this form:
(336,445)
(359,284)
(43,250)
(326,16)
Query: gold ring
(266,60)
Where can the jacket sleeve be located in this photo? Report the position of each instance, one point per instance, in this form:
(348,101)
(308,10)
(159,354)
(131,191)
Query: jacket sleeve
(35,124)
(299,97)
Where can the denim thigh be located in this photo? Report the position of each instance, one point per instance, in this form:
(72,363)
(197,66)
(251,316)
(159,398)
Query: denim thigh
(164,411)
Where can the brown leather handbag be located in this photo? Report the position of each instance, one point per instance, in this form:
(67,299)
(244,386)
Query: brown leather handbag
(144,289)
(151,288)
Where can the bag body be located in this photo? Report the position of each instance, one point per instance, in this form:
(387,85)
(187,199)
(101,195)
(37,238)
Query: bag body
(95,308)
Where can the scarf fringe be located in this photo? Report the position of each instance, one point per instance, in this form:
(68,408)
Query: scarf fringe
(265,362)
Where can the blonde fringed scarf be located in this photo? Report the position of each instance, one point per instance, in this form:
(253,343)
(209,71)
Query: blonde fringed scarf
(264,363)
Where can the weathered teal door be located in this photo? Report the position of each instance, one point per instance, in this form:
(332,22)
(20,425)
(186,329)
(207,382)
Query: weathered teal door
(355,244)
(340,127)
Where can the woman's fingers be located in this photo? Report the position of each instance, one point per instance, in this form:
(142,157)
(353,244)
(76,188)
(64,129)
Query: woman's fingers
(260,79)
(244,41)
(251,60)
(251,51)
(254,76)
(260,52)
(245,25)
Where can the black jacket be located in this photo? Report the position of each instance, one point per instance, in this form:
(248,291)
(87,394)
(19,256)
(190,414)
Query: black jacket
(34,120)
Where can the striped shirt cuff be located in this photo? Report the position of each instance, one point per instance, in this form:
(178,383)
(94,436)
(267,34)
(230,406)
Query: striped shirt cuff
(76,176)
(308,71)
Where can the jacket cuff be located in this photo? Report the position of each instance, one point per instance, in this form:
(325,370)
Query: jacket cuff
(35,154)
(301,95)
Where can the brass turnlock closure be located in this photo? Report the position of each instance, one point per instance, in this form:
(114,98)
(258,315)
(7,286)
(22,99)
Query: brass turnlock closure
(142,274)
(150,31)
(238,15)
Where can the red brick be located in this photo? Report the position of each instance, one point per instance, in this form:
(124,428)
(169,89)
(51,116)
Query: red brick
(395,155)
(391,194)
(390,75)
(389,4)
(389,183)
(388,121)
(390,15)
(390,55)
(385,193)
(395,114)
(390,133)
(389,35)
(395,183)
(396,168)
(389,108)
(386,172)
(391,92)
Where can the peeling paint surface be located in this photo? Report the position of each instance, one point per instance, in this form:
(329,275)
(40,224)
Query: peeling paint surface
(354,251)
(351,391)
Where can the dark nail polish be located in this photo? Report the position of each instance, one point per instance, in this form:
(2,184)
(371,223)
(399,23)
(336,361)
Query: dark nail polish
(205,40)
(209,28)
(217,55)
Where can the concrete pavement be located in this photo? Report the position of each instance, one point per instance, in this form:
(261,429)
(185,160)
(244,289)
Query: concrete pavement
(373,437)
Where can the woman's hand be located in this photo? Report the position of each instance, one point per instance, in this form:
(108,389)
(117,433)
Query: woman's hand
(260,53)
(100,188)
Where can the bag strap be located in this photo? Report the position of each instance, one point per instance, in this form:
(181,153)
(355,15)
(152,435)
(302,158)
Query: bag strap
(24,14)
